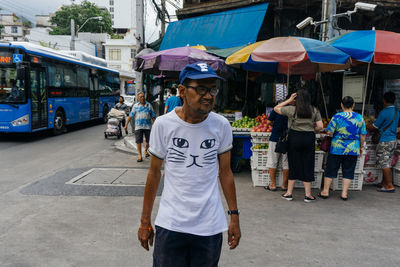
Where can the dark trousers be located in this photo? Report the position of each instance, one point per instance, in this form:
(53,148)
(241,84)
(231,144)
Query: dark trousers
(174,249)
(301,155)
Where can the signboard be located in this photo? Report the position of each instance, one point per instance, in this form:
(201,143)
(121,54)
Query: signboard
(353,86)
(17,58)
(394,86)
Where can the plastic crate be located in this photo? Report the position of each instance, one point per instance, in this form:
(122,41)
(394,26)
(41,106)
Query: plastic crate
(259,159)
(370,158)
(372,176)
(396,176)
(355,185)
(260,137)
(316,184)
(319,160)
(261,178)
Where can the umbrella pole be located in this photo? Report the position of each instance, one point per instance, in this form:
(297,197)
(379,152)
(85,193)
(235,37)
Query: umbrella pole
(365,89)
(287,77)
(323,95)
(372,88)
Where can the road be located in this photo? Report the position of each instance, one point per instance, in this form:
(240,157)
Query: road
(46,222)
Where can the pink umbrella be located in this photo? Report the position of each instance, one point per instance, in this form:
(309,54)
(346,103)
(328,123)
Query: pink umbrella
(170,62)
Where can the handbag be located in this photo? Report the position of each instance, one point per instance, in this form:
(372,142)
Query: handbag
(376,136)
(326,142)
(283,143)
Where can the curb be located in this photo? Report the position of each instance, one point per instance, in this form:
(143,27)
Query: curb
(126,145)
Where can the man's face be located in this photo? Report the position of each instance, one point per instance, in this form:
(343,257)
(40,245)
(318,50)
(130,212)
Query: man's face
(141,98)
(121,100)
(202,104)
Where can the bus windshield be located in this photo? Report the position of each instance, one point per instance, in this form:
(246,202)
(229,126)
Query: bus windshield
(12,87)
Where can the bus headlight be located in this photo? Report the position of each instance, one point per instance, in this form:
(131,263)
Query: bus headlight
(24,120)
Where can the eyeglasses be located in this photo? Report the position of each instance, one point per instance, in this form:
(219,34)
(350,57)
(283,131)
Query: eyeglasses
(201,90)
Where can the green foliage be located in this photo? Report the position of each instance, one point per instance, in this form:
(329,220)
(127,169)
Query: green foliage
(80,13)
(117,36)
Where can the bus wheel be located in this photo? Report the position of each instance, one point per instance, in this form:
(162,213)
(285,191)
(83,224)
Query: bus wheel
(105,112)
(59,123)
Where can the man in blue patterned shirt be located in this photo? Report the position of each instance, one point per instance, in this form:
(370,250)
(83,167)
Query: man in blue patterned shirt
(144,116)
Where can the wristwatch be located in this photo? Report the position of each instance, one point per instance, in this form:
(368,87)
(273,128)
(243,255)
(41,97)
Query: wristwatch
(230,212)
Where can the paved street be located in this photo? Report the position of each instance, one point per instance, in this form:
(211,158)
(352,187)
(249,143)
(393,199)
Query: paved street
(54,212)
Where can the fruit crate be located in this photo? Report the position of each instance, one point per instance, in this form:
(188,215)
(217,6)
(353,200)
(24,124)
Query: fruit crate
(372,176)
(260,137)
(370,159)
(259,159)
(261,178)
(396,176)
(245,130)
(356,184)
(316,184)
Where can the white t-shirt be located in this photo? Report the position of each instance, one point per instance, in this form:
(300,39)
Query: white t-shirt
(191,202)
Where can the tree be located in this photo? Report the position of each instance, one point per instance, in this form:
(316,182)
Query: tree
(80,13)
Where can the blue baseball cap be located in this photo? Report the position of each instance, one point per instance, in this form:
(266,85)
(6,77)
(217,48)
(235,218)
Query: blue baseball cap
(197,71)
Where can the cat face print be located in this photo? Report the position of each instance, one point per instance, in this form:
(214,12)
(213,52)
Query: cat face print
(180,153)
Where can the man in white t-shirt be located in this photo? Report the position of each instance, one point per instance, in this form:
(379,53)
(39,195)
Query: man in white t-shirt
(194,144)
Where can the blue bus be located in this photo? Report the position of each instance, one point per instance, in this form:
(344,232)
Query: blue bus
(41,89)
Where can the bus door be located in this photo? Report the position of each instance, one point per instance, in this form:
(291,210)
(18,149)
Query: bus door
(39,115)
(94,97)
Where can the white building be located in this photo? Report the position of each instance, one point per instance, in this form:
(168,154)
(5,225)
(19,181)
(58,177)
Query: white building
(123,13)
(41,36)
(120,55)
(13,28)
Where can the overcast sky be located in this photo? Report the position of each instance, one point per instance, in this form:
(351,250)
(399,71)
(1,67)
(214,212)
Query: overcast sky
(30,8)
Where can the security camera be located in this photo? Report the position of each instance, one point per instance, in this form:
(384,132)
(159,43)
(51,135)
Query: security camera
(305,23)
(365,6)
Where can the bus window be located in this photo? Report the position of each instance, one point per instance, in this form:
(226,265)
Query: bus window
(12,86)
(69,77)
(55,76)
(83,77)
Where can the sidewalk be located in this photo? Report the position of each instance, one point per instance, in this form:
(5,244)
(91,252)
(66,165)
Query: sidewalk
(127,144)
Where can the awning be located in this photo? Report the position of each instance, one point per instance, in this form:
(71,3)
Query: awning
(222,30)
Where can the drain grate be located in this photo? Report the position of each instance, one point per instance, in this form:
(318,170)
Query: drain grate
(111,177)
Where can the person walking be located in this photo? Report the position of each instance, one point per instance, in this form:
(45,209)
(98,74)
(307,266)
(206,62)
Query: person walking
(144,116)
(348,131)
(279,123)
(123,107)
(194,144)
(304,120)
(386,124)
(172,102)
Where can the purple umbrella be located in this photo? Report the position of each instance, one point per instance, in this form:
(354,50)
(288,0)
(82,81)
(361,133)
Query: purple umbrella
(170,62)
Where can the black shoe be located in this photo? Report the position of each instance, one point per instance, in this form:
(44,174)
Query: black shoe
(289,197)
(343,198)
(322,196)
(309,200)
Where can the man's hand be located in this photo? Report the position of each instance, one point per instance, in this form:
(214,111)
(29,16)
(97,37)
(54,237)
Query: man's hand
(234,232)
(145,236)
(126,126)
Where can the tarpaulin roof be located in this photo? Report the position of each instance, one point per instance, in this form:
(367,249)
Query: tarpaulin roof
(223,30)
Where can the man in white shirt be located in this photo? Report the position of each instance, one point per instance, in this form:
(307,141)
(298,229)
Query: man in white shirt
(194,144)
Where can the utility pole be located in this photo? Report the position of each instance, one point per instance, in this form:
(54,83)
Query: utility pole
(331,19)
(139,41)
(163,16)
(72,44)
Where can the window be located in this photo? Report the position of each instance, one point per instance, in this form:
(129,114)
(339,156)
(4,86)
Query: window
(133,53)
(69,77)
(118,67)
(111,9)
(55,76)
(111,2)
(112,16)
(83,77)
(14,29)
(115,54)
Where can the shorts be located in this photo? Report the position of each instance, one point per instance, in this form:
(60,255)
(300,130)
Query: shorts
(384,154)
(273,158)
(175,249)
(348,163)
(139,135)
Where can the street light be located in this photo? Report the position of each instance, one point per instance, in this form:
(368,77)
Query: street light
(357,6)
(73,33)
